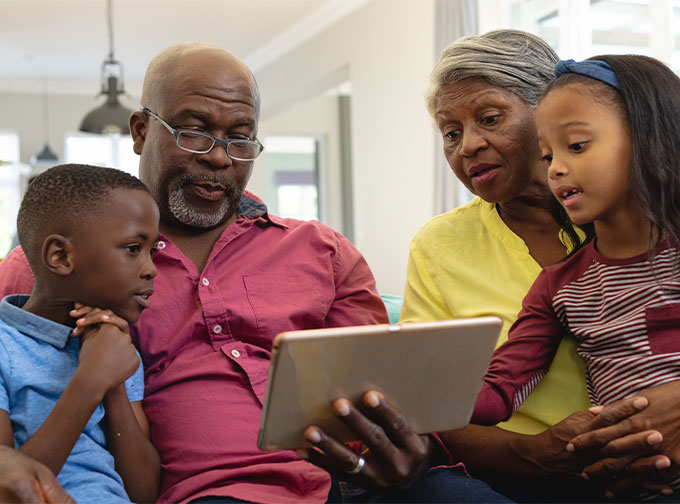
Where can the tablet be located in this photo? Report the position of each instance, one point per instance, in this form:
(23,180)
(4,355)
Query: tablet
(431,371)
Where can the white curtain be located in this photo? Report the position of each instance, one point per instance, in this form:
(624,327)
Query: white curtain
(454,19)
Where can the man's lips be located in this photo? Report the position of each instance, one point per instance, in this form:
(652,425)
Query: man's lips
(207,190)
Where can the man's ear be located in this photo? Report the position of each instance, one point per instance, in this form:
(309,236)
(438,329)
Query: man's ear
(138,123)
(57,255)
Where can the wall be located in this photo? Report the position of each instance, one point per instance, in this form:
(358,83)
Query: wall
(317,117)
(388,47)
(23,112)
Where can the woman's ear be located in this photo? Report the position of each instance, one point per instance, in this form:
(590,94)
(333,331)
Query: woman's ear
(138,123)
(57,255)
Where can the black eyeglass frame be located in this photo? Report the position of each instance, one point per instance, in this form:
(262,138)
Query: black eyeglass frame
(176,132)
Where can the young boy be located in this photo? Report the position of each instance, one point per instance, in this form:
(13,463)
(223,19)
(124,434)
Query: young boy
(88,234)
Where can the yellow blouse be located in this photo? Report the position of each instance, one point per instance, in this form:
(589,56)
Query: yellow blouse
(468,263)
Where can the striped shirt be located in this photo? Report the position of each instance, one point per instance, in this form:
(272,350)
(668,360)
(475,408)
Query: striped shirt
(624,314)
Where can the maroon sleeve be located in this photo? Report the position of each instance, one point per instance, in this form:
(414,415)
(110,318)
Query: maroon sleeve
(357,301)
(16,276)
(520,363)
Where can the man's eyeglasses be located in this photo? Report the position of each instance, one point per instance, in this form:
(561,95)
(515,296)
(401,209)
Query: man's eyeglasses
(200,142)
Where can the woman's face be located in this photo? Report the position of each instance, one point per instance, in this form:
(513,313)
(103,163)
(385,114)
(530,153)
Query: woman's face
(489,139)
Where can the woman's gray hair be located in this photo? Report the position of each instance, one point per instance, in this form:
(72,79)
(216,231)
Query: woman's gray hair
(511,59)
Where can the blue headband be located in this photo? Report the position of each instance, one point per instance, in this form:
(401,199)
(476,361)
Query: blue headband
(595,69)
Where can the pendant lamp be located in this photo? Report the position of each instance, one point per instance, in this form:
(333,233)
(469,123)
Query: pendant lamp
(46,156)
(111,117)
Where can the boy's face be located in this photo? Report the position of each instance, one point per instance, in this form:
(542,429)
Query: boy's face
(112,259)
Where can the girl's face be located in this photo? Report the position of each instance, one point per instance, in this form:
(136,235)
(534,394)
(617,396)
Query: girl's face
(587,145)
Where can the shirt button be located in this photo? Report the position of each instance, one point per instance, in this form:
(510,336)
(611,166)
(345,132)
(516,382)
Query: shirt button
(205,281)
(236,353)
(217,329)
(161,245)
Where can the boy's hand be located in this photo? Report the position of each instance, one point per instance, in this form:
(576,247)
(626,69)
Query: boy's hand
(107,355)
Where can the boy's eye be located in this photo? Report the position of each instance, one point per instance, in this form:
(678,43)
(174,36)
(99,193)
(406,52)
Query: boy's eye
(547,158)
(577,146)
(133,249)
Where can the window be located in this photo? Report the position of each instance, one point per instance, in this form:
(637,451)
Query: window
(10,187)
(292,167)
(102,150)
(579,29)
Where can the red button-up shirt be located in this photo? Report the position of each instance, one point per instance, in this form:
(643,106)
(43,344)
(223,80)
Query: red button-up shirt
(205,343)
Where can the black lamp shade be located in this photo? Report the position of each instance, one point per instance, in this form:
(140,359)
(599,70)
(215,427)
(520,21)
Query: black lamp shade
(46,155)
(111,117)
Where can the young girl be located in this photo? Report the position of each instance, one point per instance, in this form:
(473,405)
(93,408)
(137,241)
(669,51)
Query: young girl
(608,129)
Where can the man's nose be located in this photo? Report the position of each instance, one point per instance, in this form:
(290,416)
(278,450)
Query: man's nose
(217,157)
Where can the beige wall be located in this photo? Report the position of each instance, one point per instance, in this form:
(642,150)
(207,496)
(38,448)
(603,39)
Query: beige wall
(386,49)
(389,48)
(316,117)
(23,113)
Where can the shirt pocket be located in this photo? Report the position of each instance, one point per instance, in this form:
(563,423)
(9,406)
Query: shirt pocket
(285,303)
(663,328)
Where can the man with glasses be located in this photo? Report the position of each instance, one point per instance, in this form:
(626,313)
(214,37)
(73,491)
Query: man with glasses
(230,277)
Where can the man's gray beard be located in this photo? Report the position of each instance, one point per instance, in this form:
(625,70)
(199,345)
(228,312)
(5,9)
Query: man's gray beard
(190,216)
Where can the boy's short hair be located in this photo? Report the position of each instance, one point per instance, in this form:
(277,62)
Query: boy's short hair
(63,200)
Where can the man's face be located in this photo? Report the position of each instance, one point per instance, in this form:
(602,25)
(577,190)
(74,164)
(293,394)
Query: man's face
(211,93)
(112,259)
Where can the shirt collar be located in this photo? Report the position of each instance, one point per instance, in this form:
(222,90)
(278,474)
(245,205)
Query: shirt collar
(31,324)
(253,207)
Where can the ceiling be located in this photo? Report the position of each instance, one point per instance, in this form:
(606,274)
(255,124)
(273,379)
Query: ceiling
(64,42)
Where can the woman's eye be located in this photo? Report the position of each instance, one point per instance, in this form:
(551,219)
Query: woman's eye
(577,146)
(451,136)
(489,119)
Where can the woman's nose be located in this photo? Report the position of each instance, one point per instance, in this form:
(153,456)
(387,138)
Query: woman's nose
(473,140)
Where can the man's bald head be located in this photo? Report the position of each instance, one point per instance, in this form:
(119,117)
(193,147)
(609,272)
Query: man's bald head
(158,81)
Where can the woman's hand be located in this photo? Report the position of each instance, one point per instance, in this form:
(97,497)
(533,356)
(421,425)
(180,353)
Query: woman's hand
(641,450)
(394,455)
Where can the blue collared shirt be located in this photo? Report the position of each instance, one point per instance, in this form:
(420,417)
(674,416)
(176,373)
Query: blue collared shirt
(37,360)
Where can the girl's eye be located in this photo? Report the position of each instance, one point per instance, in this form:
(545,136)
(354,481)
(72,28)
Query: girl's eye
(577,146)
(133,249)
(547,158)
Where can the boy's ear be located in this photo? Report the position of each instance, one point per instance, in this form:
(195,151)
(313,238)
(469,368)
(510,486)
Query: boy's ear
(138,124)
(57,254)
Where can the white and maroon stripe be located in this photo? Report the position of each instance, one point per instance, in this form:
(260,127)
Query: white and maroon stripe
(605,309)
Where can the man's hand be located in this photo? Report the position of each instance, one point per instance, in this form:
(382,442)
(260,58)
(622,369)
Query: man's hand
(644,448)
(107,355)
(394,455)
(25,480)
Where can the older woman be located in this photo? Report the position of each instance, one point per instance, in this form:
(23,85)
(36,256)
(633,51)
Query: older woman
(481,259)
